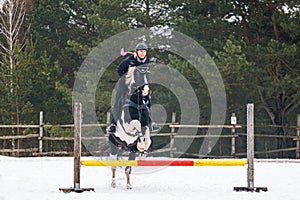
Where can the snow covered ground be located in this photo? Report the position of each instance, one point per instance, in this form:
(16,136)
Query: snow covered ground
(41,178)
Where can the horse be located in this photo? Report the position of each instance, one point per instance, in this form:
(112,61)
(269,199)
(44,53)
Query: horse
(132,127)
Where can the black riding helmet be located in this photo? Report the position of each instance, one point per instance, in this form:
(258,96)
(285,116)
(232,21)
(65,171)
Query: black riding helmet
(141,46)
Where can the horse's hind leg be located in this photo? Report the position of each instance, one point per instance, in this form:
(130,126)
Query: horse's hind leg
(113,156)
(132,156)
(113,170)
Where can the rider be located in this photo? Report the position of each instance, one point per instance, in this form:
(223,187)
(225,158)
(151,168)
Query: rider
(138,58)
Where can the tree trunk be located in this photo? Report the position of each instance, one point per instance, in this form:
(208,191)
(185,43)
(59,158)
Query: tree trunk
(279,122)
(272,8)
(280,142)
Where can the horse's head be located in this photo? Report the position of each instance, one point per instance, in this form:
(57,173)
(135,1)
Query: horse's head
(137,80)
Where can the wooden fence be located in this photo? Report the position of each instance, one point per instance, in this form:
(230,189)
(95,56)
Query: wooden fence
(41,138)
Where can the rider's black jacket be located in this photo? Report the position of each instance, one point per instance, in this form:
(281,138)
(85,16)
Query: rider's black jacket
(132,60)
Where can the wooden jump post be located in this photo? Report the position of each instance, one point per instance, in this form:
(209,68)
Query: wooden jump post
(77,152)
(172,162)
(250,154)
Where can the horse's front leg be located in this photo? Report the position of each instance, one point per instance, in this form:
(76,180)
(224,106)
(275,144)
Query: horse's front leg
(132,156)
(144,141)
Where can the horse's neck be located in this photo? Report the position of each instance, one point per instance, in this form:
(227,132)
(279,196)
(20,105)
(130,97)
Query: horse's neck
(129,78)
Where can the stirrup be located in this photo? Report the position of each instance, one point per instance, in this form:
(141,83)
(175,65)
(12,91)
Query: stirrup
(154,128)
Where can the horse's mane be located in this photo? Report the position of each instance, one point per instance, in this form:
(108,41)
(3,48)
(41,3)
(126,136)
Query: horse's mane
(129,78)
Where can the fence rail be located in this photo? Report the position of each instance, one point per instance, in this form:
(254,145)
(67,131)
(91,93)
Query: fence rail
(41,138)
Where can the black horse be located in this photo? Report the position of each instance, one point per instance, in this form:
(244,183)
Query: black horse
(132,130)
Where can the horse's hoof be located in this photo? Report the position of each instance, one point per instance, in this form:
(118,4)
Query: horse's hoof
(113,183)
(129,186)
(144,154)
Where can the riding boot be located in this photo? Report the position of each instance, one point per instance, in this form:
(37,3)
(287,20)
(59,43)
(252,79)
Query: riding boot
(112,127)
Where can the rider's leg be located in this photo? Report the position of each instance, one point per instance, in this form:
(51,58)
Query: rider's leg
(115,113)
(121,88)
(154,128)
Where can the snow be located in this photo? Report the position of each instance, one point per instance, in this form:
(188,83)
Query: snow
(40,178)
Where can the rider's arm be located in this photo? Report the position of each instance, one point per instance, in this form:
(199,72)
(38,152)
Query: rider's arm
(123,67)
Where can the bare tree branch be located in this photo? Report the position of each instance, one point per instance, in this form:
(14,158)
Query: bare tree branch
(3,54)
(20,13)
(11,20)
(4,48)
(294,103)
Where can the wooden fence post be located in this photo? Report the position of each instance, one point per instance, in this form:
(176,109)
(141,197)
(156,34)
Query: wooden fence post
(298,138)
(172,136)
(233,122)
(13,146)
(41,133)
(107,119)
